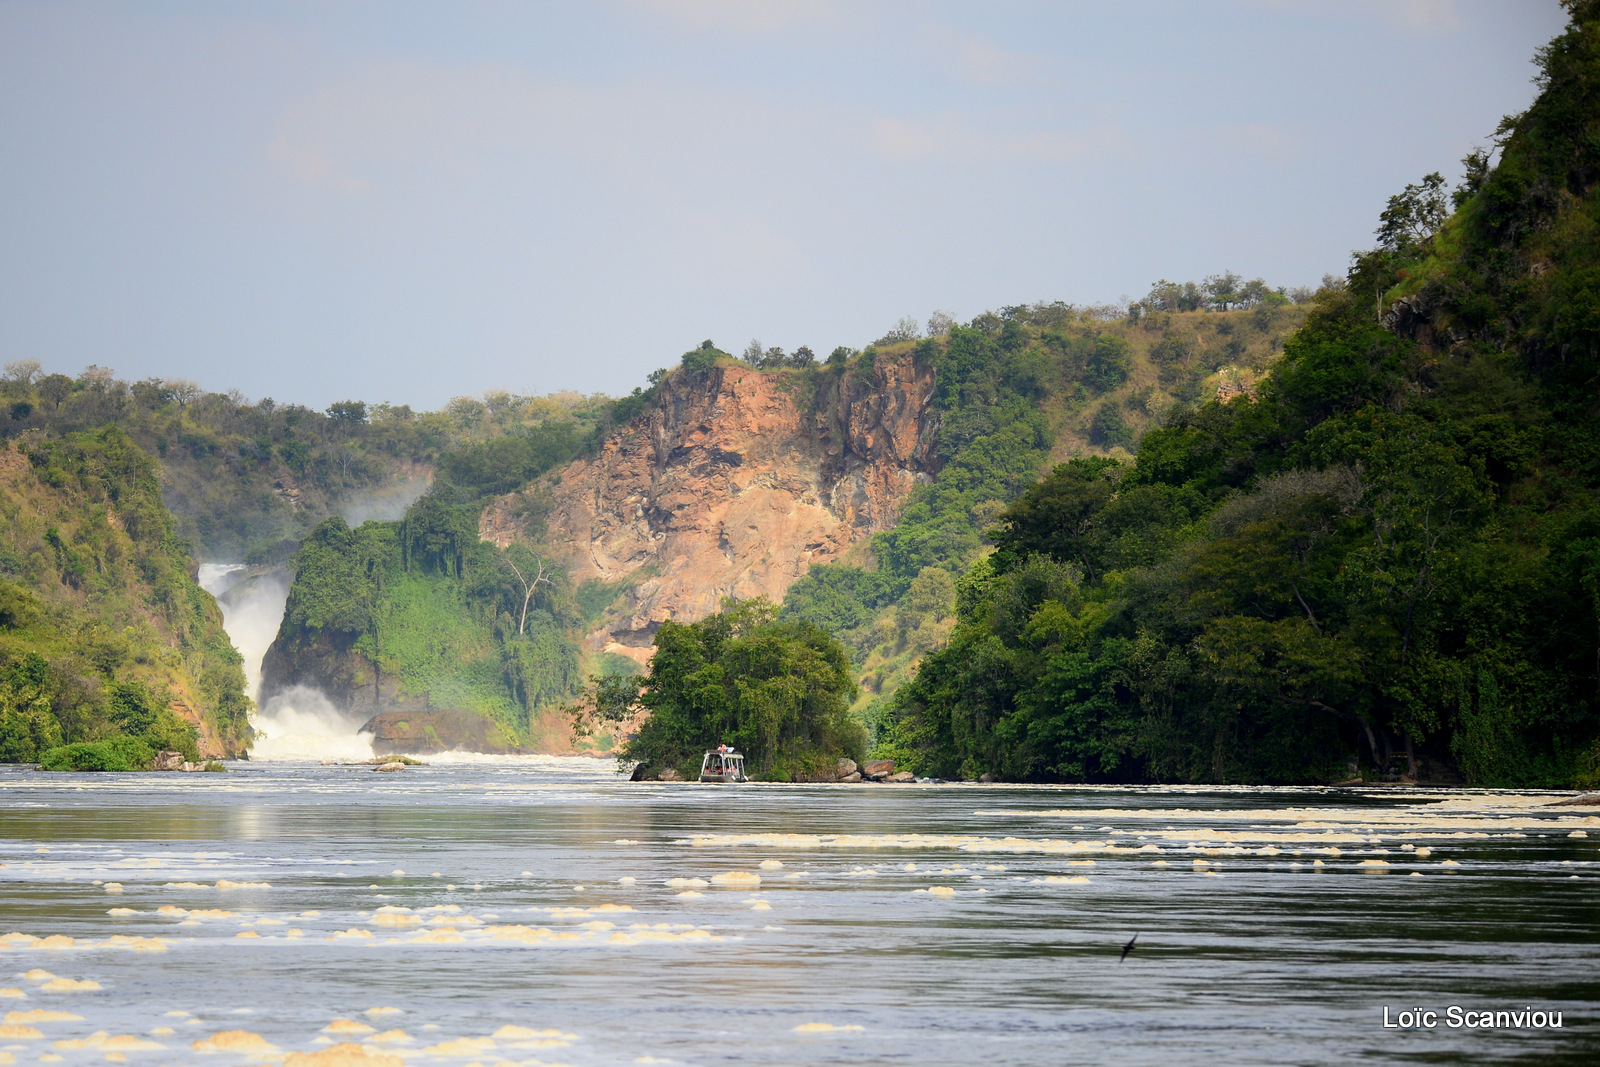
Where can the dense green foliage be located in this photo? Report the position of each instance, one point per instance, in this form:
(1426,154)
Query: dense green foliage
(103,631)
(450,621)
(1388,562)
(1013,388)
(114,754)
(778,691)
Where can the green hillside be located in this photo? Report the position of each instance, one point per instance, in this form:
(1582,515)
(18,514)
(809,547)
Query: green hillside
(1018,390)
(1387,563)
(103,631)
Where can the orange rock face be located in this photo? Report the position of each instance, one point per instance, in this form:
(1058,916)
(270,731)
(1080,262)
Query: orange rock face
(734,485)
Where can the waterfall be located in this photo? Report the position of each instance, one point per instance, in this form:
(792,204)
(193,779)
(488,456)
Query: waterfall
(299,723)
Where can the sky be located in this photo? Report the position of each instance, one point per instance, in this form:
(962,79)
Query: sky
(407,202)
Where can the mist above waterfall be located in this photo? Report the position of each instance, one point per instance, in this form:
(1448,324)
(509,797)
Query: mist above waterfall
(386,504)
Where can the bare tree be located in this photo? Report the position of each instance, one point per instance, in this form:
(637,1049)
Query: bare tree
(23,370)
(527,587)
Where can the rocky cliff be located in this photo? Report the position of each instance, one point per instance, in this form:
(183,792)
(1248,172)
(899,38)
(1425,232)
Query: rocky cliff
(734,484)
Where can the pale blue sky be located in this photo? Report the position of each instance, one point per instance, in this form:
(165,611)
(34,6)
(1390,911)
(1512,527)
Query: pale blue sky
(411,201)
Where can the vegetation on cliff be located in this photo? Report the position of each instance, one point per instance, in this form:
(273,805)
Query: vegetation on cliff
(245,481)
(103,631)
(1013,389)
(1386,562)
(421,613)
(779,691)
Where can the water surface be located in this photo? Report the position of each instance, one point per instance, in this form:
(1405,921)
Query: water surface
(890,924)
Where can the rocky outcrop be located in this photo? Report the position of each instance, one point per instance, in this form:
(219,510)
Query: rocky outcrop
(735,483)
(424,732)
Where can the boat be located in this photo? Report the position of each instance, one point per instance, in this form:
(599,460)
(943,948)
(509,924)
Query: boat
(722,764)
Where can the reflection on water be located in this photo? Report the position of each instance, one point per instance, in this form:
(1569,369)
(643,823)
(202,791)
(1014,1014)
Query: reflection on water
(539,910)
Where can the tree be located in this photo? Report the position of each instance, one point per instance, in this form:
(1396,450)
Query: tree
(348,412)
(1108,364)
(1413,215)
(536,568)
(778,690)
(699,361)
(1108,428)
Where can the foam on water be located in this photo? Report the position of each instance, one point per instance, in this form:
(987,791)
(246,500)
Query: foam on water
(301,724)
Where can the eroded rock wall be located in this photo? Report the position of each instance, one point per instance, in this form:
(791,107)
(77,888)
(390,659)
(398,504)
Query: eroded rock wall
(736,483)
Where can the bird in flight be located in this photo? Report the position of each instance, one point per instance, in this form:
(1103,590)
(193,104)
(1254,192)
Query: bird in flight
(1128,947)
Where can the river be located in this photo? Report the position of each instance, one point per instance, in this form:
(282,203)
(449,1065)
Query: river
(538,910)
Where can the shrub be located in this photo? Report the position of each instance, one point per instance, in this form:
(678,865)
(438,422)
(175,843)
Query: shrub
(116,754)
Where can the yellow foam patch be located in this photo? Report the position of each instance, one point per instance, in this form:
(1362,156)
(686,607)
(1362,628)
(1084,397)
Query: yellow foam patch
(41,1015)
(461,1046)
(941,891)
(771,865)
(395,917)
(390,1037)
(38,974)
(13,1032)
(346,1054)
(224,883)
(235,1041)
(12,993)
(736,878)
(826,1028)
(70,985)
(346,1026)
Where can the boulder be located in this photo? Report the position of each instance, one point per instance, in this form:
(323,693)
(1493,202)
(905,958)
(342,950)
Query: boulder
(670,774)
(1584,801)
(986,777)
(846,766)
(903,776)
(167,760)
(877,768)
(391,767)
(853,776)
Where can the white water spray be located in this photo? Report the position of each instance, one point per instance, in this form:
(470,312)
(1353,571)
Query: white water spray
(299,723)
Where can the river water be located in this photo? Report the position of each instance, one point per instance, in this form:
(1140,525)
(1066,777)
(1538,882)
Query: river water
(539,910)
